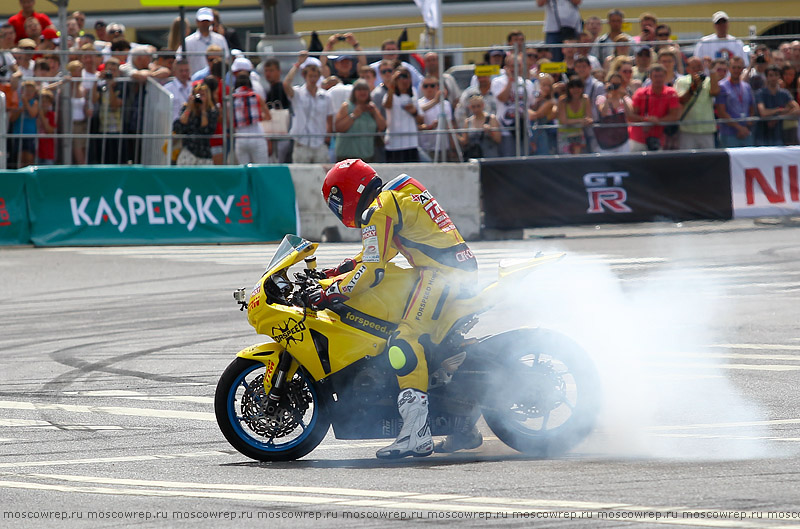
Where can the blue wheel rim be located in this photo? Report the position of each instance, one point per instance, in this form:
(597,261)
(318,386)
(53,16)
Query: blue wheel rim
(248,437)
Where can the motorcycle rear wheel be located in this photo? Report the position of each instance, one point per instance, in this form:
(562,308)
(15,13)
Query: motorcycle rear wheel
(545,399)
(298,426)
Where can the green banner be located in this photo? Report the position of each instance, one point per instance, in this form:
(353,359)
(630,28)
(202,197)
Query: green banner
(99,205)
(13,208)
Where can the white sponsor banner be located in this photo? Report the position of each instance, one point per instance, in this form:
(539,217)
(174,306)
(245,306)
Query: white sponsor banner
(764,181)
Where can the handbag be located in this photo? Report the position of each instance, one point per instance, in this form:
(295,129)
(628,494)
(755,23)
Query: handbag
(474,149)
(278,124)
(612,137)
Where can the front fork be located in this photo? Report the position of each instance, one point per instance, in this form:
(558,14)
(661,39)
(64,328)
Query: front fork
(280,367)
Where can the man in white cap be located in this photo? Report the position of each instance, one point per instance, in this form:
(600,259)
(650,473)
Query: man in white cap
(243,65)
(720,45)
(199,41)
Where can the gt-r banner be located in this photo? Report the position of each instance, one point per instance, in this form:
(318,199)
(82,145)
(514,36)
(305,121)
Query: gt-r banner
(555,191)
(13,208)
(764,181)
(97,205)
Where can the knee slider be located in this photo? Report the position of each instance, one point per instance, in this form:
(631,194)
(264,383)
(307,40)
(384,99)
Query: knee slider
(401,357)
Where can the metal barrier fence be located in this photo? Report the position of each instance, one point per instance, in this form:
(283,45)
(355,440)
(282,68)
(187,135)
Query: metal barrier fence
(157,127)
(143,131)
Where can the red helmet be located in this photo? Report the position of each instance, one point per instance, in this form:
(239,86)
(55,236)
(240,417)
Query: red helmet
(348,189)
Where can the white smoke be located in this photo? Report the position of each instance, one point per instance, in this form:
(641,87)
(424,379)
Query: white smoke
(666,393)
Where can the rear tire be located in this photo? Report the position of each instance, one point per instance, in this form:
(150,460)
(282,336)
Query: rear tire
(545,398)
(298,426)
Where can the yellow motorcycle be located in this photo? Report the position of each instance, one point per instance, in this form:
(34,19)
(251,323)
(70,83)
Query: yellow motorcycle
(537,389)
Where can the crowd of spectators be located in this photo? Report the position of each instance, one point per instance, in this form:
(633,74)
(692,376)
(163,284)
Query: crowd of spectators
(599,90)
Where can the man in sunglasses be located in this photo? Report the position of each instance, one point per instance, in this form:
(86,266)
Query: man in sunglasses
(198,42)
(720,45)
(390,52)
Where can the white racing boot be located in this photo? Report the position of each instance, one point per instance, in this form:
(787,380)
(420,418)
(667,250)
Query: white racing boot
(415,435)
(460,441)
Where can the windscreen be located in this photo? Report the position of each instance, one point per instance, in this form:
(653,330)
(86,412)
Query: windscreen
(289,244)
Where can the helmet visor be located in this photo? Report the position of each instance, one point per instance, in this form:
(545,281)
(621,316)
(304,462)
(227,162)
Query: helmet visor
(336,202)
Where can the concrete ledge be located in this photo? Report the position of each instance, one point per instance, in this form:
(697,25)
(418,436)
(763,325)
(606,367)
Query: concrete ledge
(456,187)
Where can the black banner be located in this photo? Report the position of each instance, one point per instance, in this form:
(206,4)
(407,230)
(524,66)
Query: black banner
(555,191)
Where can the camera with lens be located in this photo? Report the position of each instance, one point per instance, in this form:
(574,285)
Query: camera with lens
(3,70)
(341,37)
(702,77)
(198,99)
(761,59)
(108,75)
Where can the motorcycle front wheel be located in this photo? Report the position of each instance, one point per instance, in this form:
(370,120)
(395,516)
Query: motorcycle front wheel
(544,399)
(283,432)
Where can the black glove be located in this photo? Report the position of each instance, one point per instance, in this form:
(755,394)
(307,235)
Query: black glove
(323,299)
(348,265)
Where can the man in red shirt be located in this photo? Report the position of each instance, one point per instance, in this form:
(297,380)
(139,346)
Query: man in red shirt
(18,20)
(654,104)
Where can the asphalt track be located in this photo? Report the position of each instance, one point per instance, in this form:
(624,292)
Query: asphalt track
(109,358)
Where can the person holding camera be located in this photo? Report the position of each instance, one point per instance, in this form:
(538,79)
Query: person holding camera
(696,92)
(653,105)
(198,122)
(107,97)
(483,137)
(403,118)
(343,64)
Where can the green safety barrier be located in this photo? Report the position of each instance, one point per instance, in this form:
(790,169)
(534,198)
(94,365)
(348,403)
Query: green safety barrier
(99,205)
(13,208)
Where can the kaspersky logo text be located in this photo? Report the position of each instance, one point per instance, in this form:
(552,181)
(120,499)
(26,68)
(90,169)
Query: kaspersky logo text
(131,210)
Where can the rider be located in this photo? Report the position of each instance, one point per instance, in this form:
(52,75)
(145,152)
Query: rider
(401,217)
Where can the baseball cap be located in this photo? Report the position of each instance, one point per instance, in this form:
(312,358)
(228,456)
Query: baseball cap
(644,50)
(496,52)
(311,61)
(100,24)
(719,15)
(242,64)
(50,34)
(26,43)
(341,58)
(205,13)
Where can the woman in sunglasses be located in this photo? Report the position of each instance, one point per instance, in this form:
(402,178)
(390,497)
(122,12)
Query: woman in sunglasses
(403,118)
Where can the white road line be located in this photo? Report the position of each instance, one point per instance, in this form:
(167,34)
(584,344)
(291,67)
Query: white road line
(338,497)
(741,356)
(729,437)
(121,459)
(771,422)
(111,410)
(735,367)
(364,494)
(758,346)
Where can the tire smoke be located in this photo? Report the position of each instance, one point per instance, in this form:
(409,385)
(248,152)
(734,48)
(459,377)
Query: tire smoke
(667,392)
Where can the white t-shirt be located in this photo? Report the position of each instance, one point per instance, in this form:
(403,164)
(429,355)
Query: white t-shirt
(196,42)
(339,94)
(180,94)
(717,48)
(562,11)
(310,115)
(427,141)
(401,126)
(505,111)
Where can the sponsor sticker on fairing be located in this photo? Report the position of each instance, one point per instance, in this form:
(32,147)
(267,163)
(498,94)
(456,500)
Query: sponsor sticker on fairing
(369,235)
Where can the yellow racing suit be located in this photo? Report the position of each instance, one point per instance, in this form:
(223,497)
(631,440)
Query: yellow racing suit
(405,218)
